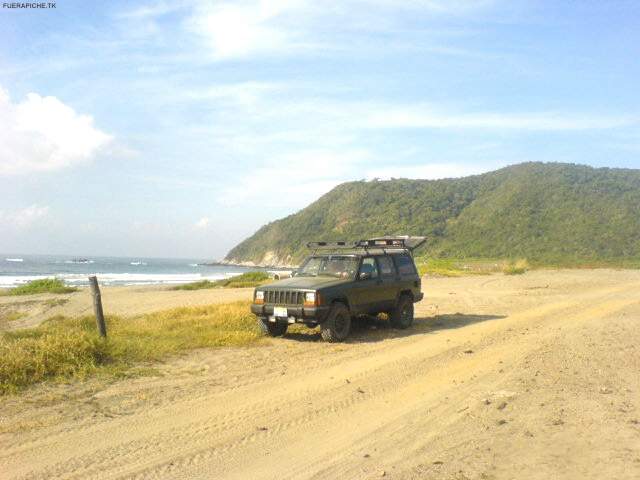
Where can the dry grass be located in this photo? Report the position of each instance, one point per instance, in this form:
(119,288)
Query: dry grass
(451,267)
(64,347)
(517,267)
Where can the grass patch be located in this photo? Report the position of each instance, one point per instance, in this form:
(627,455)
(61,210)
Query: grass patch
(248,279)
(13,316)
(44,285)
(455,267)
(517,267)
(63,347)
(55,302)
(451,267)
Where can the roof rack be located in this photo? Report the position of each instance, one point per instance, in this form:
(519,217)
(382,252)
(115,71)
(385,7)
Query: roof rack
(403,242)
(385,243)
(331,245)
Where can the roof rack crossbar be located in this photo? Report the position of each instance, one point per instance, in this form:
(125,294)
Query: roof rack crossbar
(331,245)
(390,243)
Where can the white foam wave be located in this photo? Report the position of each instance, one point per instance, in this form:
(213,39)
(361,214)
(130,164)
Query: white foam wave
(114,278)
(14,259)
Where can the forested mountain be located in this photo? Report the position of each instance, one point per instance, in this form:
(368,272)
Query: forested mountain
(544,212)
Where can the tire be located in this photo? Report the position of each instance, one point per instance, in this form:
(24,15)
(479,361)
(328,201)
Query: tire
(272,329)
(337,326)
(402,315)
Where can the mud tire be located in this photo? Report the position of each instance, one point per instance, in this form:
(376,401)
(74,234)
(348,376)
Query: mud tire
(272,329)
(402,316)
(337,326)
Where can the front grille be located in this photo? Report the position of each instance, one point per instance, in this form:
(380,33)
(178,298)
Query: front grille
(284,297)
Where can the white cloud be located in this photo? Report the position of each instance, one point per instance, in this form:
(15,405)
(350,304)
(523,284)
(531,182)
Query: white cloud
(245,94)
(294,179)
(25,217)
(411,117)
(241,29)
(42,133)
(203,222)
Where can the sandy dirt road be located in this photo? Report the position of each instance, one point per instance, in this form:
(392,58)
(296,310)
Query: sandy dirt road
(534,377)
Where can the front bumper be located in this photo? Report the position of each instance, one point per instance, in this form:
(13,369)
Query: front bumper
(298,313)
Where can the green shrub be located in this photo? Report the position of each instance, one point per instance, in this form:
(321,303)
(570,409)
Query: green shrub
(516,268)
(44,285)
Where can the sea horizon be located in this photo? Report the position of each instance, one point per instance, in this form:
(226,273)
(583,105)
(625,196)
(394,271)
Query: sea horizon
(17,269)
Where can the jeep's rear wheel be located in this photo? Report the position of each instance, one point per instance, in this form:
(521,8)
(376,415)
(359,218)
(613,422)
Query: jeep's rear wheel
(273,329)
(402,315)
(337,325)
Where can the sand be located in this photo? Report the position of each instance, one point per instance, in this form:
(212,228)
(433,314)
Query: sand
(534,376)
(123,301)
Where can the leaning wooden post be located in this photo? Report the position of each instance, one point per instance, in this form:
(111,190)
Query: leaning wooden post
(97,306)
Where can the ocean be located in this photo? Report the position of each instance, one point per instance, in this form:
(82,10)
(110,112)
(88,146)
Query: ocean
(19,269)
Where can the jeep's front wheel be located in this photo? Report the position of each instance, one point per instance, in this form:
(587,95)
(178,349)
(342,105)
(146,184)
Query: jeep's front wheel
(402,315)
(337,325)
(273,329)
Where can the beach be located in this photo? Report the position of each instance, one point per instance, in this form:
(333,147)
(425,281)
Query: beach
(529,376)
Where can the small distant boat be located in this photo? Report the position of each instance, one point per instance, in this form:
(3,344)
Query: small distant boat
(79,260)
(138,263)
(14,259)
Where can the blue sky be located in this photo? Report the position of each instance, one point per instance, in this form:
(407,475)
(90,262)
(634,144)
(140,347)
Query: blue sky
(178,128)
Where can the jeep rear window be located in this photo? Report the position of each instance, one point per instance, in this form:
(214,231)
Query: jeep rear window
(331,266)
(405,265)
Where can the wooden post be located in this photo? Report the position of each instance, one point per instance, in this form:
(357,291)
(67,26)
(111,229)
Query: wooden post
(97,306)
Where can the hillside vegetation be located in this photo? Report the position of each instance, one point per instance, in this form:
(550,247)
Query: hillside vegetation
(547,213)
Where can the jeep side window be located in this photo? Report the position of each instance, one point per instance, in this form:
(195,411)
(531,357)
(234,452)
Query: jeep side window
(386,267)
(368,267)
(405,265)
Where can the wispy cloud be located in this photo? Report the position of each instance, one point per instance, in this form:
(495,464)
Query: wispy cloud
(42,133)
(235,30)
(25,217)
(242,29)
(294,179)
(411,117)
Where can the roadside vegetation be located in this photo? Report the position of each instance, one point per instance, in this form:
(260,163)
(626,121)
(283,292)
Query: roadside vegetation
(248,279)
(517,267)
(449,267)
(44,285)
(63,347)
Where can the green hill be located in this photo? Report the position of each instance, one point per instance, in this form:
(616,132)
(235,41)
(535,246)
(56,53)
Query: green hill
(560,213)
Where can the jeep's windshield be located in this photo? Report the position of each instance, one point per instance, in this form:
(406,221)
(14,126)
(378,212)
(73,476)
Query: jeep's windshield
(338,266)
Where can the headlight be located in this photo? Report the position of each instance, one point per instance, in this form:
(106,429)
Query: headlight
(310,298)
(259,296)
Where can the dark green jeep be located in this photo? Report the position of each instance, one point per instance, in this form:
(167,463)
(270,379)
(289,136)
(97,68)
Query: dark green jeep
(342,280)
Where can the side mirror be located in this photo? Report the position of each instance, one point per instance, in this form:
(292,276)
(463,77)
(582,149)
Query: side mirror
(294,273)
(365,275)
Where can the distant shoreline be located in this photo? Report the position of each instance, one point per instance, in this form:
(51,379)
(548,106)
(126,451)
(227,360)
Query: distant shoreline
(248,264)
